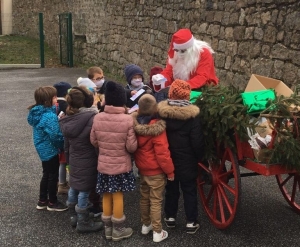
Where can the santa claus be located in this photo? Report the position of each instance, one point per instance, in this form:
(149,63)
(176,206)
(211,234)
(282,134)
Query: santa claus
(190,60)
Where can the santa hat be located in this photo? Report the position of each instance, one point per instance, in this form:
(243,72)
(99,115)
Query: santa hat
(86,82)
(181,40)
(180,90)
(115,94)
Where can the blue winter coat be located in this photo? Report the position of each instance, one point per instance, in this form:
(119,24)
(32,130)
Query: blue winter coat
(47,137)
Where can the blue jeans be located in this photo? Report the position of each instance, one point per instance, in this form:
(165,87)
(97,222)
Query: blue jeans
(81,198)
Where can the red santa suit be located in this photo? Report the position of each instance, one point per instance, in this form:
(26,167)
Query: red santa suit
(197,73)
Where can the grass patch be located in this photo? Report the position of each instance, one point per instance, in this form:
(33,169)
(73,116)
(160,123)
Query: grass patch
(25,50)
(16,49)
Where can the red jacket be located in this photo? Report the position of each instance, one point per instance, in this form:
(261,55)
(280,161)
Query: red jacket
(205,72)
(152,156)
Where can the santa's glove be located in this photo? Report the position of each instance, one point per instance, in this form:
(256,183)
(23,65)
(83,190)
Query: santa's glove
(159,82)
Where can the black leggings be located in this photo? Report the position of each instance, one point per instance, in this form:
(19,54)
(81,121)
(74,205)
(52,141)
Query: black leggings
(48,185)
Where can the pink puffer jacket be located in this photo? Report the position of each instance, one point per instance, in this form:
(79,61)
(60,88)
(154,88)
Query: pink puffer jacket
(112,132)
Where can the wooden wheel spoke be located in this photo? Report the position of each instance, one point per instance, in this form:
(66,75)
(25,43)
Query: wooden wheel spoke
(219,198)
(222,192)
(286,180)
(204,167)
(209,196)
(225,174)
(230,189)
(294,190)
(221,207)
(215,205)
(289,185)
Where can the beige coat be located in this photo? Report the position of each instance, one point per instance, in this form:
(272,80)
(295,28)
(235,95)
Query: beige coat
(112,132)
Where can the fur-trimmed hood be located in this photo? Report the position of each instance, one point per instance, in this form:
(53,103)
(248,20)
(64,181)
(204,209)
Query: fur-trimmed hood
(154,129)
(177,112)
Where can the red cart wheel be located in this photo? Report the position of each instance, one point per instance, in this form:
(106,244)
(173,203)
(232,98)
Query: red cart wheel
(289,185)
(220,196)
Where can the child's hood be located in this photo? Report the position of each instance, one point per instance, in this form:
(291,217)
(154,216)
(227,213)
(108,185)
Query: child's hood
(154,128)
(71,126)
(36,113)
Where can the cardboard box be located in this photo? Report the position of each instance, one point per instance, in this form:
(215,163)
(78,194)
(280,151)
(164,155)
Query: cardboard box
(258,82)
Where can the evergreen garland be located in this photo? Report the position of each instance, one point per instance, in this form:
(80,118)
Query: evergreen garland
(222,114)
(284,115)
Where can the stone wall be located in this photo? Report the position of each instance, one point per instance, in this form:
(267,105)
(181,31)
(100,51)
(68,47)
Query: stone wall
(248,36)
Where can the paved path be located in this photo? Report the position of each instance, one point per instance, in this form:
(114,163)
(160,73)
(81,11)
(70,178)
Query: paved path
(265,218)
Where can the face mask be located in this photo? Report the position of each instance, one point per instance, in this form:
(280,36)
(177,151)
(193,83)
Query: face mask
(136,82)
(99,83)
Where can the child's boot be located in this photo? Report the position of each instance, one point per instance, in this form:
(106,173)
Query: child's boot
(119,231)
(107,226)
(63,188)
(85,223)
(73,214)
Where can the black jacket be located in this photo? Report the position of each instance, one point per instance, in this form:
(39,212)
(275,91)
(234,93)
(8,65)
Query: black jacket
(80,153)
(185,138)
(131,103)
(62,103)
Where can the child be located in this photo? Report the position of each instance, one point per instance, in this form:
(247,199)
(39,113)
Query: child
(62,90)
(154,162)
(86,82)
(135,82)
(186,146)
(162,94)
(97,76)
(113,134)
(81,155)
(48,141)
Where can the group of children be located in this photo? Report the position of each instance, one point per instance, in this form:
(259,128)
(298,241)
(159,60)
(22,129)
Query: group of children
(99,140)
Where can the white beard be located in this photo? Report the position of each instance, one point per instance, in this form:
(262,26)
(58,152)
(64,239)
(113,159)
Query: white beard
(184,66)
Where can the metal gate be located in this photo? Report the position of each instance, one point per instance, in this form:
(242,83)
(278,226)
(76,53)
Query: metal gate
(66,39)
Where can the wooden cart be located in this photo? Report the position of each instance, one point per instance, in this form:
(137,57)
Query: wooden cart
(220,189)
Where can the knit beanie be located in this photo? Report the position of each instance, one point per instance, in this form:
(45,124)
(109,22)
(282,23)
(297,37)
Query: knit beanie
(180,90)
(147,105)
(62,88)
(115,94)
(86,82)
(131,70)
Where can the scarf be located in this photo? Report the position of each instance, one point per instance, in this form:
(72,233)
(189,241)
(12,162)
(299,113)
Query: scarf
(174,102)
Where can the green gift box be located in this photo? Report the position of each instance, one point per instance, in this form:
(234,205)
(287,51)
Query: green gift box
(257,101)
(194,95)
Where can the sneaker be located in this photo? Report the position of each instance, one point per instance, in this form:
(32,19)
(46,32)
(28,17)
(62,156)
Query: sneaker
(191,228)
(63,188)
(42,205)
(146,229)
(170,222)
(158,237)
(95,211)
(58,207)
